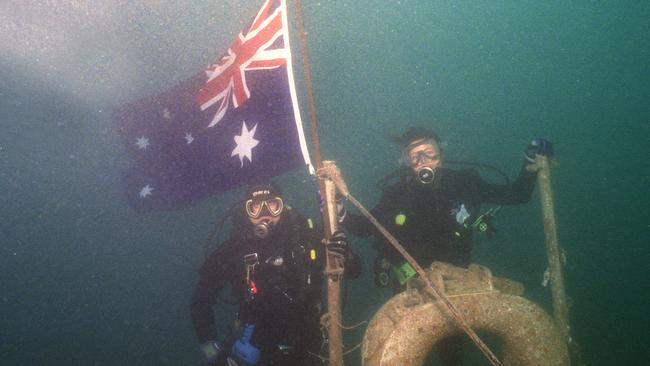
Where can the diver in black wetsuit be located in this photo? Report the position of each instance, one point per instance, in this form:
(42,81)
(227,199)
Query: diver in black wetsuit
(432,211)
(273,262)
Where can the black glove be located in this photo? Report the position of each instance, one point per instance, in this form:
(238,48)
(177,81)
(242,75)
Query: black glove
(340,209)
(337,245)
(538,146)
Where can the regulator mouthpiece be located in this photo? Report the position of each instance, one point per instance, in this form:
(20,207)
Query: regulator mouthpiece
(426,175)
(261,230)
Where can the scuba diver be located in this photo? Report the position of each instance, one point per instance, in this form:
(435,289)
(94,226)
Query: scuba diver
(433,210)
(273,262)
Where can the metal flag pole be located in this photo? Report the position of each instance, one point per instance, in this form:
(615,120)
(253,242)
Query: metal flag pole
(334,267)
(560,307)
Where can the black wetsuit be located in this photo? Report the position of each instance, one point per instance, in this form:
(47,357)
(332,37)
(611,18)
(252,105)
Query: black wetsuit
(428,219)
(282,296)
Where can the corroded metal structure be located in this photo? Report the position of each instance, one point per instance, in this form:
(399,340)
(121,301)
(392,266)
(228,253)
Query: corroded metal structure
(407,327)
(560,304)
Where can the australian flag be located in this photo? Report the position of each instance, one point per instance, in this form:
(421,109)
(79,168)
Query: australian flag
(233,123)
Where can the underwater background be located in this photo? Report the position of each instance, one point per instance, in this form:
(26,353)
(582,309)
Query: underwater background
(84,280)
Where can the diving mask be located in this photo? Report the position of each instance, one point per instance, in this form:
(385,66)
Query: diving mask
(422,156)
(419,151)
(271,206)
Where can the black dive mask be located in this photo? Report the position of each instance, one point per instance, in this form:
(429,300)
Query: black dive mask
(425,175)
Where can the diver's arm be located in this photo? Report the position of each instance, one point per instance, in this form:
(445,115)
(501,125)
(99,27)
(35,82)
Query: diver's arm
(202,317)
(516,193)
(359,225)
(211,281)
(353,267)
(521,190)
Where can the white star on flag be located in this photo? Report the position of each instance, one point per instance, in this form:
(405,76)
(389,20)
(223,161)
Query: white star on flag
(245,144)
(189,138)
(142,143)
(145,191)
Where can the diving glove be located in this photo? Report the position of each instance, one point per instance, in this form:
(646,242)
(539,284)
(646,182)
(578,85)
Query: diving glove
(538,146)
(337,245)
(244,350)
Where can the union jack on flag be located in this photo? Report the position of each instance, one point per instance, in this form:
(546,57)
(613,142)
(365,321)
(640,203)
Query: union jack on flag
(234,123)
(253,51)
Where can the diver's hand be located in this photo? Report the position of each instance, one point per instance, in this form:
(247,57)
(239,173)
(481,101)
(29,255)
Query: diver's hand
(538,146)
(244,350)
(337,245)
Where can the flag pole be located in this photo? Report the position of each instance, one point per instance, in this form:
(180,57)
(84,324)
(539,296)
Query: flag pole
(334,267)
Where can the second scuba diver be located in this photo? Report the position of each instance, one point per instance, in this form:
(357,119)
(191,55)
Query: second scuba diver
(432,209)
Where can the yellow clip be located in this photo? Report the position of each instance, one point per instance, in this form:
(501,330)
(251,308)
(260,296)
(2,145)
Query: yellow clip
(400,219)
(312,254)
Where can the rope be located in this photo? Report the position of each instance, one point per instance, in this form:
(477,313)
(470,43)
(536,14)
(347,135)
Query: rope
(326,318)
(334,272)
(354,326)
(356,347)
(325,323)
(473,293)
